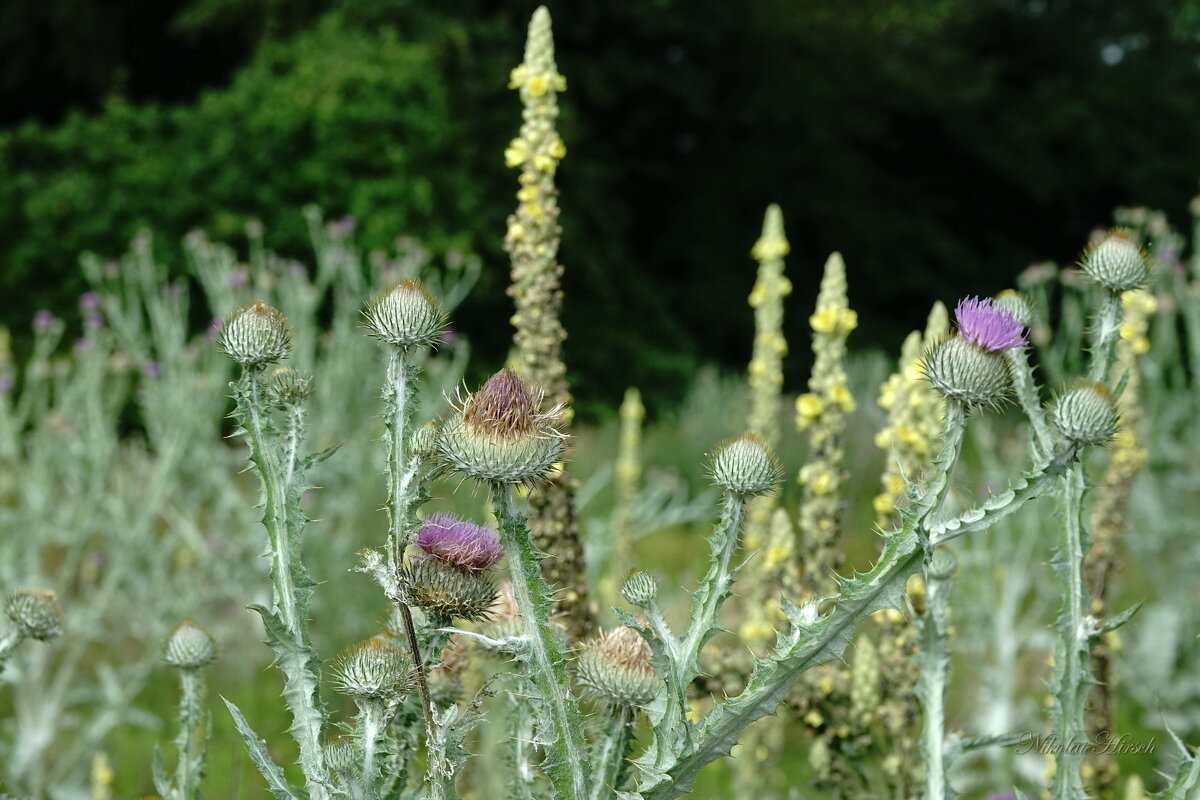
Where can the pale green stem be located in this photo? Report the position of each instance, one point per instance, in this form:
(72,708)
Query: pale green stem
(1107,326)
(934,661)
(608,754)
(8,644)
(1073,654)
(372,727)
(1027,395)
(717,582)
(567,754)
(403,497)
(191,763)
(954,426)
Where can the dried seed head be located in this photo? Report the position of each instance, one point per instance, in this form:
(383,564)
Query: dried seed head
(615,668)
(189,646)
(1016,305)
(459,542)
(449,591)
(405,315)
(499,436)
(35,614)
(966,372)
(1085,415)
(640,589)
(1117,262)
(745,465)
(255,335)
(374,670)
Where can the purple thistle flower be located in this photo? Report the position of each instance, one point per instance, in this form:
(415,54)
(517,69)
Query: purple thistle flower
(988,327)
(6,384)
(459,542)
(89,301)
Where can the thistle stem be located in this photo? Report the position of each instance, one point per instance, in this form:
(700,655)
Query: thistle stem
(7,645)
(414,649)
(715,587)
(1027,395)
(934,661)
(608,755)
(1107,330)
(954,427)
(567,756)
(190,763)
(372,725)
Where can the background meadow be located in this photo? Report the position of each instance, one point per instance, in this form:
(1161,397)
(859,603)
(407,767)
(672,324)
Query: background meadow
(308,155)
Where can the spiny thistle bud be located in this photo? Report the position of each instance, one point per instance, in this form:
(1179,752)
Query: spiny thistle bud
(745,465)
(424,441)
(968,366)
(405,315)
(449,591)
(255,335)
(288,387)
(1116,262)
(498,434)
(459,542)
(189,646)
(374,670)
(640,589)
(342,758)
(1086,415)
(615,668)
(1016,304)
(35,613)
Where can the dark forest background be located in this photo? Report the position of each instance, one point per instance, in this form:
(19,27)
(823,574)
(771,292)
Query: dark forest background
(941,145)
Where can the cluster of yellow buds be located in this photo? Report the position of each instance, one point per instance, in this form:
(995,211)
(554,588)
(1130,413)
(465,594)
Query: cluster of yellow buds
(914,413)
(766,366)
(821,411)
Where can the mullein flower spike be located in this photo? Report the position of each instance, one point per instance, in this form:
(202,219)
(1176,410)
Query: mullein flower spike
(968,366)
(498,434)
(189,646)
(405,315)
(255,335)
(35,614)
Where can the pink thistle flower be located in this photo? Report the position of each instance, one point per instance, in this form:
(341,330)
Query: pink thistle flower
(459,542)
(987,326)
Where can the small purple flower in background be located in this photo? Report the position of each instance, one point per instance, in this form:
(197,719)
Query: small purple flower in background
(6,384)
(1003,797)
(43,321)
(89,301)
(297,269)
(93,320)
(152,370)
(988,327)
(459,542)
(343,227)
(82,346)
(214,329)
(172,291)
(239,278)
(448,334)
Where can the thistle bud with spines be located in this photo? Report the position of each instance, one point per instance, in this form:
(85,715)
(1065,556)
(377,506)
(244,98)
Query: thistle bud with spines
(1016,304)
(1117,262)
(189,646)
(35,613)
(745,465)
(405,315)
(373,670)
(499,435)
(447,591)
(255,335)
(614,668)
(289,388)
(1085,415)
(640,589)
(969,366)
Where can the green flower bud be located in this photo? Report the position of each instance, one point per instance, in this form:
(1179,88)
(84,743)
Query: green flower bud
(499,436)
(640,589)
(942,565)
(443,589)
(342,758)
(405,315)
(1016,304)
(374,670)
(745,465)
(189,646)
(615,668)
(966,372)
(1086,415)
(255,335)
(424,441)
(1116,262)
(35,614)
(288,388)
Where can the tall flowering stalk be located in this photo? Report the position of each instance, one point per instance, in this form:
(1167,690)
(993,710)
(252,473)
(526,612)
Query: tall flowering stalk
(1085,415)
(189,649)
(822,412)
(1111,511)
(532,243)
(626,487)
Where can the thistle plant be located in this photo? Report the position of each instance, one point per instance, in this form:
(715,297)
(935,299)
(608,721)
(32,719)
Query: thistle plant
(32,614)
(188,648)
(627,477)
(532,243)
